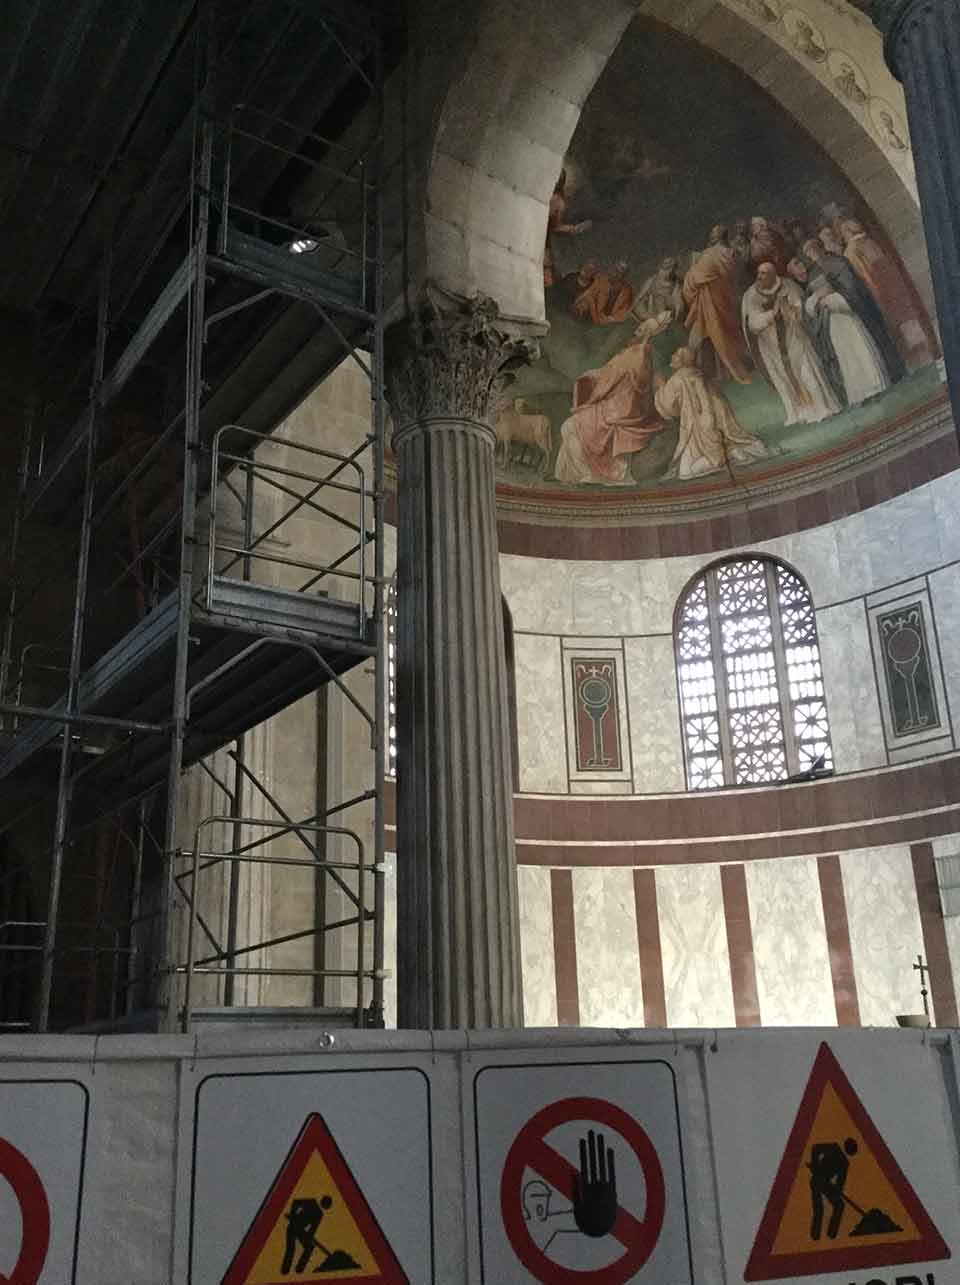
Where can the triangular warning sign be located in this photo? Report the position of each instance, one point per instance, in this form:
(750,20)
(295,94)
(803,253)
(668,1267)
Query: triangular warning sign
(840,1202)
(315,1224)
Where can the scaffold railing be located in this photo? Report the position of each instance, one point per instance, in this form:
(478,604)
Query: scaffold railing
(176,642)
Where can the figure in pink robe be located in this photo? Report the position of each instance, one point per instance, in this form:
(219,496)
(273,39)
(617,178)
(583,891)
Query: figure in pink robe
(613,414)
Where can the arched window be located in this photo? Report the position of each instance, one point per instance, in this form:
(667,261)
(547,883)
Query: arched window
(751,684)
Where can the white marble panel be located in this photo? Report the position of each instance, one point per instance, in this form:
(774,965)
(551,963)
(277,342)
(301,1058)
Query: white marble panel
(885,932)
(658,582)
(693,939)
(606,599)
(608,959)
(853,705)
(654,715)
(536,946)
(815,555)
(538,593)
(946,507)
(903,536)
(540,720)
(948,845)
(855,574)
(945,599)
(794,982)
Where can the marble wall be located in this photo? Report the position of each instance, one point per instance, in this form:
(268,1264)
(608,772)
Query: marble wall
(789,952)
(885,932)
(845,564)
(608,959)
(794,982)
(696,961)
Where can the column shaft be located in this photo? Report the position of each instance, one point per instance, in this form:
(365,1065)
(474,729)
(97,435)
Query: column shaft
(458,950)
(457,909)
(923,51)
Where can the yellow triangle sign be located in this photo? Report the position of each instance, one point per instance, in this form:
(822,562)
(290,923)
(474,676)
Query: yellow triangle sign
(840,1202)
(314,1224)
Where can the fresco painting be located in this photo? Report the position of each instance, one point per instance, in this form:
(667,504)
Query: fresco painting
(722,304)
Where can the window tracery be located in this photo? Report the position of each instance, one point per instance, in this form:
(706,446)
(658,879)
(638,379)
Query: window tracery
(751,683)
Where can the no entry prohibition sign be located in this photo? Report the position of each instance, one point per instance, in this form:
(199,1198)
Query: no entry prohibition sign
(34,1215)
(531,1151)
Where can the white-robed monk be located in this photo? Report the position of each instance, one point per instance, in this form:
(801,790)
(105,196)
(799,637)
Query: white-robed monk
(711,436)
(773,319)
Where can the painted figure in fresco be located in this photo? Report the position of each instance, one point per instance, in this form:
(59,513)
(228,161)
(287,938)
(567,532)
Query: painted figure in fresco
(773,319)
(829,237)
(575,283)
(889,134)
(848,353)
(891,290)
(608,299)
(740,240)
(559,225)
(711,437)
(841,277)
(767,245)
(710,291)
(662,292)
(521,430)
(806,42)
(849,86)
(613,414)
(796,232)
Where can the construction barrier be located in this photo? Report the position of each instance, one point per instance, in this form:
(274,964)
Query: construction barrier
(568,1157)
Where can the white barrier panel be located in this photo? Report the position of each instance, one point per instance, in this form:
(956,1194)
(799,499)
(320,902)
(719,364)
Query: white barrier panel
(325,1172)
(851,1157)
(43,1148)
(578,1170)
(565,1157)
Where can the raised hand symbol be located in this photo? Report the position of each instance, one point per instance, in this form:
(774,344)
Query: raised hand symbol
(595,1188)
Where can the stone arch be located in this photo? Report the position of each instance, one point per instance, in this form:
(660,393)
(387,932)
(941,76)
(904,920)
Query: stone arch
(502,130)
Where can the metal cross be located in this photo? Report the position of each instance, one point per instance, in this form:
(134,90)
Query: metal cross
(921,968)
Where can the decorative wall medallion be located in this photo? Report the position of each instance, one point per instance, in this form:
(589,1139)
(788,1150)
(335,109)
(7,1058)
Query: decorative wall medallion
(910,679)
(765,10)
(906,660)
(805,36)
(849,78)
(888,123)
(596,715)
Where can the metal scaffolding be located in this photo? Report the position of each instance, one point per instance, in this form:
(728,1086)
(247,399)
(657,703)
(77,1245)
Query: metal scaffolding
(194,617)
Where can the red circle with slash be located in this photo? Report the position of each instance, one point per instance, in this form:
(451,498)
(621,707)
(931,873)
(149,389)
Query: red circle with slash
(34,1215)
(530,1150)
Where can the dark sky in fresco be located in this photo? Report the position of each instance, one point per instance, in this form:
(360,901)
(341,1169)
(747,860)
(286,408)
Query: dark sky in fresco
(711,147)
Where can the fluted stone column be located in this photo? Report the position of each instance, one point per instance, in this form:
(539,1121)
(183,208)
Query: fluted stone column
(922,45)
(458,938)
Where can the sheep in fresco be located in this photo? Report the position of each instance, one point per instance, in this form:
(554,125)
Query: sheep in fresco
(518,425)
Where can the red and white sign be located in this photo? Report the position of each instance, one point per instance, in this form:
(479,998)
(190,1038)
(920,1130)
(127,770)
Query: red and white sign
(43,1127)
(636,1237)
(580,1174)
(838,1163)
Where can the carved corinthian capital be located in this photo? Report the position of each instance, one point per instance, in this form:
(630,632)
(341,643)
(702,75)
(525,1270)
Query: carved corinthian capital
(451,359)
